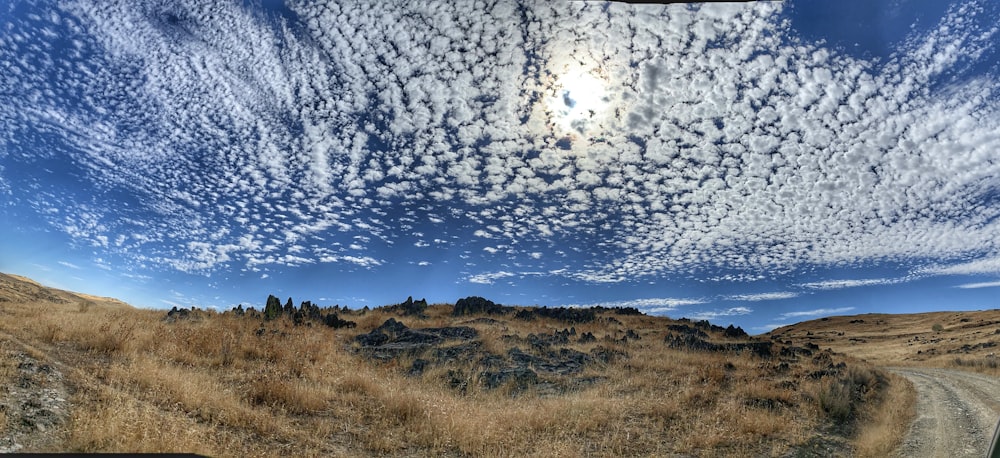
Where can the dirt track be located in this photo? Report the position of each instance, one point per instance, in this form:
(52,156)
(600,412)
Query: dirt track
(956,413)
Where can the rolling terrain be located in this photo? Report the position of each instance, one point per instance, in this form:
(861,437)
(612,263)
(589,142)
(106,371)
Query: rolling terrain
(90,374)
(948,356)
(928,339)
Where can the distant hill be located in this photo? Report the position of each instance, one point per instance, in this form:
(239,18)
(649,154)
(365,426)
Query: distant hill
(887,339)
(15,288)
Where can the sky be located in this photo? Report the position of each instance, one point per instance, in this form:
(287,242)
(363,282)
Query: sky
(757,164)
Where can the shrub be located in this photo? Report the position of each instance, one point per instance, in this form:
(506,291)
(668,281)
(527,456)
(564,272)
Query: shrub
(843,397)
(937,327)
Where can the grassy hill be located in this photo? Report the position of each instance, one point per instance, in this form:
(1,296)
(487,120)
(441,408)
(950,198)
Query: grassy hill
(967,340)
(473,378)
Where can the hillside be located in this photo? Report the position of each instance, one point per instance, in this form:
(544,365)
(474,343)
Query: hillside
(935,339)
(16,289)
(473,378)
(947,356)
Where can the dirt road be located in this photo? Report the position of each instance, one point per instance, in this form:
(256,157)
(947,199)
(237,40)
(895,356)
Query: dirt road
(956,413)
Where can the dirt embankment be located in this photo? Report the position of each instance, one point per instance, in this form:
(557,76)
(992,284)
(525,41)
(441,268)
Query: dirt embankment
(956,413)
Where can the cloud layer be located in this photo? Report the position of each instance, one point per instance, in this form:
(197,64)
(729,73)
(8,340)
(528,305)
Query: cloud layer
(219,136)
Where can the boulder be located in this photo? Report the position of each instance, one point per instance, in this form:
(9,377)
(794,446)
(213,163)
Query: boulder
(474,305)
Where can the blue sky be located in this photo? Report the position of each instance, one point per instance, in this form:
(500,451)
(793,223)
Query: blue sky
(756,164)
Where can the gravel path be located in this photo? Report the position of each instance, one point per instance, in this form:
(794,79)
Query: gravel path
(956,413)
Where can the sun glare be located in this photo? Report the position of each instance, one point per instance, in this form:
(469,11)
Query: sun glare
(578,99)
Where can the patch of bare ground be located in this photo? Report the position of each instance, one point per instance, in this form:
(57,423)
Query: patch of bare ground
(957,413)
(34,403)
(417,379)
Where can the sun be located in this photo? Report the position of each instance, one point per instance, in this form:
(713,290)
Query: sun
(579,99)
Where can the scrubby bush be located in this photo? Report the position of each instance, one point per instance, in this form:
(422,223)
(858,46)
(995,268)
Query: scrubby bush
(843,397)
(937,327)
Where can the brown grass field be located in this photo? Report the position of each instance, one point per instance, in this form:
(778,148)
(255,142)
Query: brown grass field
(224,385)
(957,340)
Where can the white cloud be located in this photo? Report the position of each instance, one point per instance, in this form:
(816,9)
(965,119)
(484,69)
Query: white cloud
(489,278)
(652,306)
(249,141)
(711,315)
(840,284)
(990,284)
(816,312)
(763,296)
(989,265)
(69,264)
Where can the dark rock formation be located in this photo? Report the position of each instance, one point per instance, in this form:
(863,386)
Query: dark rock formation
(177,314)
(475,305)
(541,360)
(409,307)
(272,309)
(792,352)
(684,329)
(618,310)
(520,377)
(733,332)
(393,338)
(692,342)
(335,322)
(566,314)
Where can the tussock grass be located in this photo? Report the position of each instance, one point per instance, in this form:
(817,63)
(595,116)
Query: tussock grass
(889,420)
(120,421)
(844,397)
(989,365)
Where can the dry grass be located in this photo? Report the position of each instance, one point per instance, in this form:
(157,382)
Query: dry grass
(888,422)
(955,340)
(907,339)
(8,376)
(989,365)
(217,385)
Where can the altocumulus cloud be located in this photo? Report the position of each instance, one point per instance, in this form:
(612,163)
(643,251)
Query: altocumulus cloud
(713,315)
(220,136)
(816,312)
(763,296)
